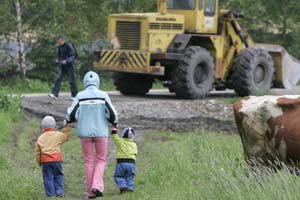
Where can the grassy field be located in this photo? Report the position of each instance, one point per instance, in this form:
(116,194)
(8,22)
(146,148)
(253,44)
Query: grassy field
(19,86)
(169,166)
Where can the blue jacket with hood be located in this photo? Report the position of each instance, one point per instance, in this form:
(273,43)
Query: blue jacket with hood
(92,109)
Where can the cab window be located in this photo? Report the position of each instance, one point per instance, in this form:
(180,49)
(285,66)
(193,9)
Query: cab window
(181,5)
(200,4)
(210,7)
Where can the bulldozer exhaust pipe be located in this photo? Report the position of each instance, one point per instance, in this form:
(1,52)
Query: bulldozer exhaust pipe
(162,6)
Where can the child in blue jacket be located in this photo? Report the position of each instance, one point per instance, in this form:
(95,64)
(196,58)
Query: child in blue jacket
(93,111)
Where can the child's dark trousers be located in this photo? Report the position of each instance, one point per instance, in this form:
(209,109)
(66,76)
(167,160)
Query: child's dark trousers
(124,175)
(53,178)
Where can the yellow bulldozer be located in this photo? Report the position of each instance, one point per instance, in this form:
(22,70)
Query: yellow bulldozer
(193,47)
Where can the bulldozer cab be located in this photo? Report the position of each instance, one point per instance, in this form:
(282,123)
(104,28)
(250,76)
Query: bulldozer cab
(201,16)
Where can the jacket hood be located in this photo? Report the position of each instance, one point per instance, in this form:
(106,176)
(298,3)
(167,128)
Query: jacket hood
(91,78)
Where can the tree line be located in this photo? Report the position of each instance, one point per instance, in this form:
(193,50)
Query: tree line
(34,25)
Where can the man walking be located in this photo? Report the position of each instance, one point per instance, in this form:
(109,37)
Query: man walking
(66,60)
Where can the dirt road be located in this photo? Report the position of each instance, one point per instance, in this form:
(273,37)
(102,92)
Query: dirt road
(157,111)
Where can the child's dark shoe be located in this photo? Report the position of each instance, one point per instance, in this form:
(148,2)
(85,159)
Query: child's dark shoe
(123,190)
(97,192)
(92,197)
(60,195)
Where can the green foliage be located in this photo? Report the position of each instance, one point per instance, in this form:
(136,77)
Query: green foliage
(7,19)
(10,105)
(5,125)
(20,173)
(7,71)
(271,21)
(229,100)
(10,113)
(17,85)
(261,92)
(6,122)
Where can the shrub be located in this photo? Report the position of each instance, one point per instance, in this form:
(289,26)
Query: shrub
(10,105)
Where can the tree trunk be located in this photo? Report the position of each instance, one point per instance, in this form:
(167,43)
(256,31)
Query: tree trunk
(20,40)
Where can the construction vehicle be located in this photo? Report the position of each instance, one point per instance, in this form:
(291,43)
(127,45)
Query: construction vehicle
(193,47)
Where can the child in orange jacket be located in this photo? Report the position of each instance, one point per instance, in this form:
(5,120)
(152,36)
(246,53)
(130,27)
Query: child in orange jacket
(49,157)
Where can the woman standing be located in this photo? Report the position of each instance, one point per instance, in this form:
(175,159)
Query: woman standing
(93,111)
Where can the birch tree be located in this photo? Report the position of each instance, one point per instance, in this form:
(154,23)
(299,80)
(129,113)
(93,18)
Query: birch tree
(20,39)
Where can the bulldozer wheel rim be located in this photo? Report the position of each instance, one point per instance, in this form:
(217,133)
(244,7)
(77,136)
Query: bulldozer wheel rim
(259,74)
(200,74)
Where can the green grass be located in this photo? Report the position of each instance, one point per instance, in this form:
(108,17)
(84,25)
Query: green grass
(5,124)
(19,86)
(157,85)
(169,166)
(229,100)
(10,116)
(260,92)
(20,173)
(203,166)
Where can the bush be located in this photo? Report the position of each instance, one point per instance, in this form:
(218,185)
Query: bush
(8,71)
(17,85)
(11,105)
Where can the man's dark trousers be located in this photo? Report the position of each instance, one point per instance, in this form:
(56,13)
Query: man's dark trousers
(53,178)
(66,69)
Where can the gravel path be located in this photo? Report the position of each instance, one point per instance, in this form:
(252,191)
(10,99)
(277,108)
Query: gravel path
(157,111)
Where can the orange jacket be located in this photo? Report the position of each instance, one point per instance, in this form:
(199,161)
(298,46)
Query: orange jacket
(47,146)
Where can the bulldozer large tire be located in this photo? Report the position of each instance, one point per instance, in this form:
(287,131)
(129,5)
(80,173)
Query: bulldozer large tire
(253,70)
(193,78)
(133,84)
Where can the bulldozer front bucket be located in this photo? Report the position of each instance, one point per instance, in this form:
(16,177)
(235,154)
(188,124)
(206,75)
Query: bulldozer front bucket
(287,68)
